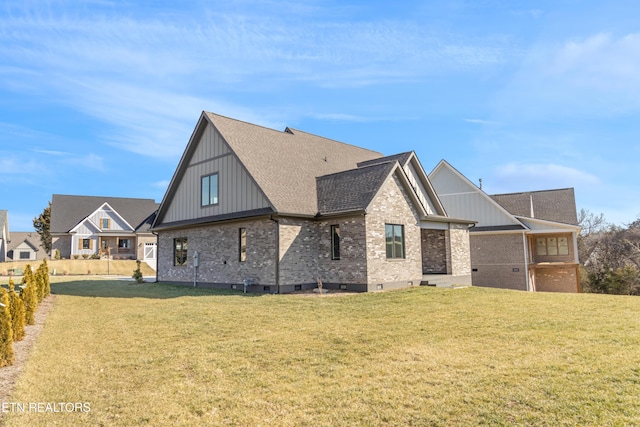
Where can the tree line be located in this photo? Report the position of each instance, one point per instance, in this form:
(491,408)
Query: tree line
(609,255)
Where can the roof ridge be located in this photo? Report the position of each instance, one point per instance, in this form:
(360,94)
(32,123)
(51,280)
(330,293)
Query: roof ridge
(247,123)
(359,168)
(533,191)
(330,139)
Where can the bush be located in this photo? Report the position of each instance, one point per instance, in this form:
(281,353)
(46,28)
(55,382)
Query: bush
(137,274)
(29,295)
(6,331)
(56,254)
(16,307)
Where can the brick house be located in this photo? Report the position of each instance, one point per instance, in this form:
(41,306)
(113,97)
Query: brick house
(101,227)
(280,211)
(525,241)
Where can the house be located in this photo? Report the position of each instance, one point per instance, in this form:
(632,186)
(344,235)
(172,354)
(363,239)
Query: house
(525,241)
(280,211)
(25,246)
(101,227)
(5,237)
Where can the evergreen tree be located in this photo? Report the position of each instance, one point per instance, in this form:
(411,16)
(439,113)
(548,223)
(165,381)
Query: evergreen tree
(45,274)
(41,225)
(29,296)
(6,331)
(16,307)
(40,278)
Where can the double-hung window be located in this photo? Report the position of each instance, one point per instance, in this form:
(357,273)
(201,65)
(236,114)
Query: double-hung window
(394,239)
(209,190)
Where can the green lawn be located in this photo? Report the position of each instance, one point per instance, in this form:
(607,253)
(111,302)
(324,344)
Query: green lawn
(155,354)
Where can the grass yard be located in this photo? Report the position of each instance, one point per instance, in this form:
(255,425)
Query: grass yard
(155,354)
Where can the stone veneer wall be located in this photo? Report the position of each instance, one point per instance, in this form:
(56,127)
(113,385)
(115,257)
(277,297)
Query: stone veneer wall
(459,250)
(351,269)
(392,206)
(498,260)
(218,246)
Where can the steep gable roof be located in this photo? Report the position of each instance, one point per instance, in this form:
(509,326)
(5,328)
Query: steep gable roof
(351,190)
(285,164)
(67,210)
(558,205)
(463,199)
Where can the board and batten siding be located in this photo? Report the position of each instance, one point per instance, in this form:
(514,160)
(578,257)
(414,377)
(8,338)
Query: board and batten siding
(237,192)
(462,199)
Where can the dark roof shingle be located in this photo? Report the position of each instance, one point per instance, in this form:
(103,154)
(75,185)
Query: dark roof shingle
(551,205)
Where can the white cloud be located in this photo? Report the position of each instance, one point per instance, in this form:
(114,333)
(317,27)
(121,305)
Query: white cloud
(595,76)
(516,176)
(148,78)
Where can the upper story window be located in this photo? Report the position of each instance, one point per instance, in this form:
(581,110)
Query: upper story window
(335,242)
(552,246)
(209,189)
(394,236)
(180,251)
(105,223)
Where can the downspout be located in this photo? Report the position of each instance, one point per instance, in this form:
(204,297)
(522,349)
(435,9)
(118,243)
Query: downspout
(526,260)
(277,265)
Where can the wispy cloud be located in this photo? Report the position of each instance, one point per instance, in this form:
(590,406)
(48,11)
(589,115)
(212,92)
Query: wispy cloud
(516,176)
(148,78)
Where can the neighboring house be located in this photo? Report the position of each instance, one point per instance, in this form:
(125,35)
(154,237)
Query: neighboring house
(25,246)
(283,211)
(525,241)
(5,237)
(90,226)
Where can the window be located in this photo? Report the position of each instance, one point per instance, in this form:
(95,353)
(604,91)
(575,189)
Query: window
(25,255)
(210,190)
(552,246)
(124,243)
(85,243)
(394,235)
(243,244)
(105,223)
(180,251)
(335,242)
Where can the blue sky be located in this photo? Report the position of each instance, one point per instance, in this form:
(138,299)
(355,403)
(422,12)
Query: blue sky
(100,97)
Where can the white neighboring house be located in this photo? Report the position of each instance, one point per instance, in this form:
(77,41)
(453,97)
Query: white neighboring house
(102,227)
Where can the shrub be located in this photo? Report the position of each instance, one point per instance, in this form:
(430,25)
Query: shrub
(16,307)
(45,274)
(76,256)
(6,331)
(29,296)
(137,273)
(56,254)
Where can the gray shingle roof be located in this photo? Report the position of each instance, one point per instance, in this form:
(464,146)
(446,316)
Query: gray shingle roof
(351,190)
(551,205)
(67,211)
(285,165)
